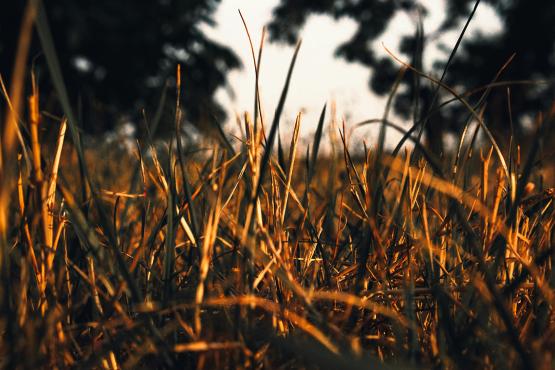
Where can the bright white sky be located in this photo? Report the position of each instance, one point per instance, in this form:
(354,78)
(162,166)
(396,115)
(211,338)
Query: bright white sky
(318,77)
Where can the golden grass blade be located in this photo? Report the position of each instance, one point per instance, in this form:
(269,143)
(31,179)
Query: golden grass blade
(292,155)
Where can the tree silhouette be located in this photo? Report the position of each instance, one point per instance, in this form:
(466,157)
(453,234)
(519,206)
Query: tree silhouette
(117,55)
(528,32)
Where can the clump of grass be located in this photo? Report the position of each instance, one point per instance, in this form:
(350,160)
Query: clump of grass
(255,260)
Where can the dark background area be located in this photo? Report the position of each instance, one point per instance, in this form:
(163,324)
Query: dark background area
(117,56)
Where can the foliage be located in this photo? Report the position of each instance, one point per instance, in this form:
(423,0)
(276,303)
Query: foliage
(528,31)
(118,55)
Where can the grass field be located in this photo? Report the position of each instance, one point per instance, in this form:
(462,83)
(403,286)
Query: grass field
(273,256)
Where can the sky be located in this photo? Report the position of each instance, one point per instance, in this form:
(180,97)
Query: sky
(318,77)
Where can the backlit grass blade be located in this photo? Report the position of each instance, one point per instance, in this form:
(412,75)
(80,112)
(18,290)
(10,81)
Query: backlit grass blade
(449,62)
(316,144)
(275,124)
(281,155)
(169,246)
(257,63)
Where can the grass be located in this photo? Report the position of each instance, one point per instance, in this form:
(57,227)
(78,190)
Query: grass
(165,258)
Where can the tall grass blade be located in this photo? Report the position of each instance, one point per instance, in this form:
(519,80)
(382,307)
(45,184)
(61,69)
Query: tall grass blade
(316,144)
(48,47)
(275,125)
